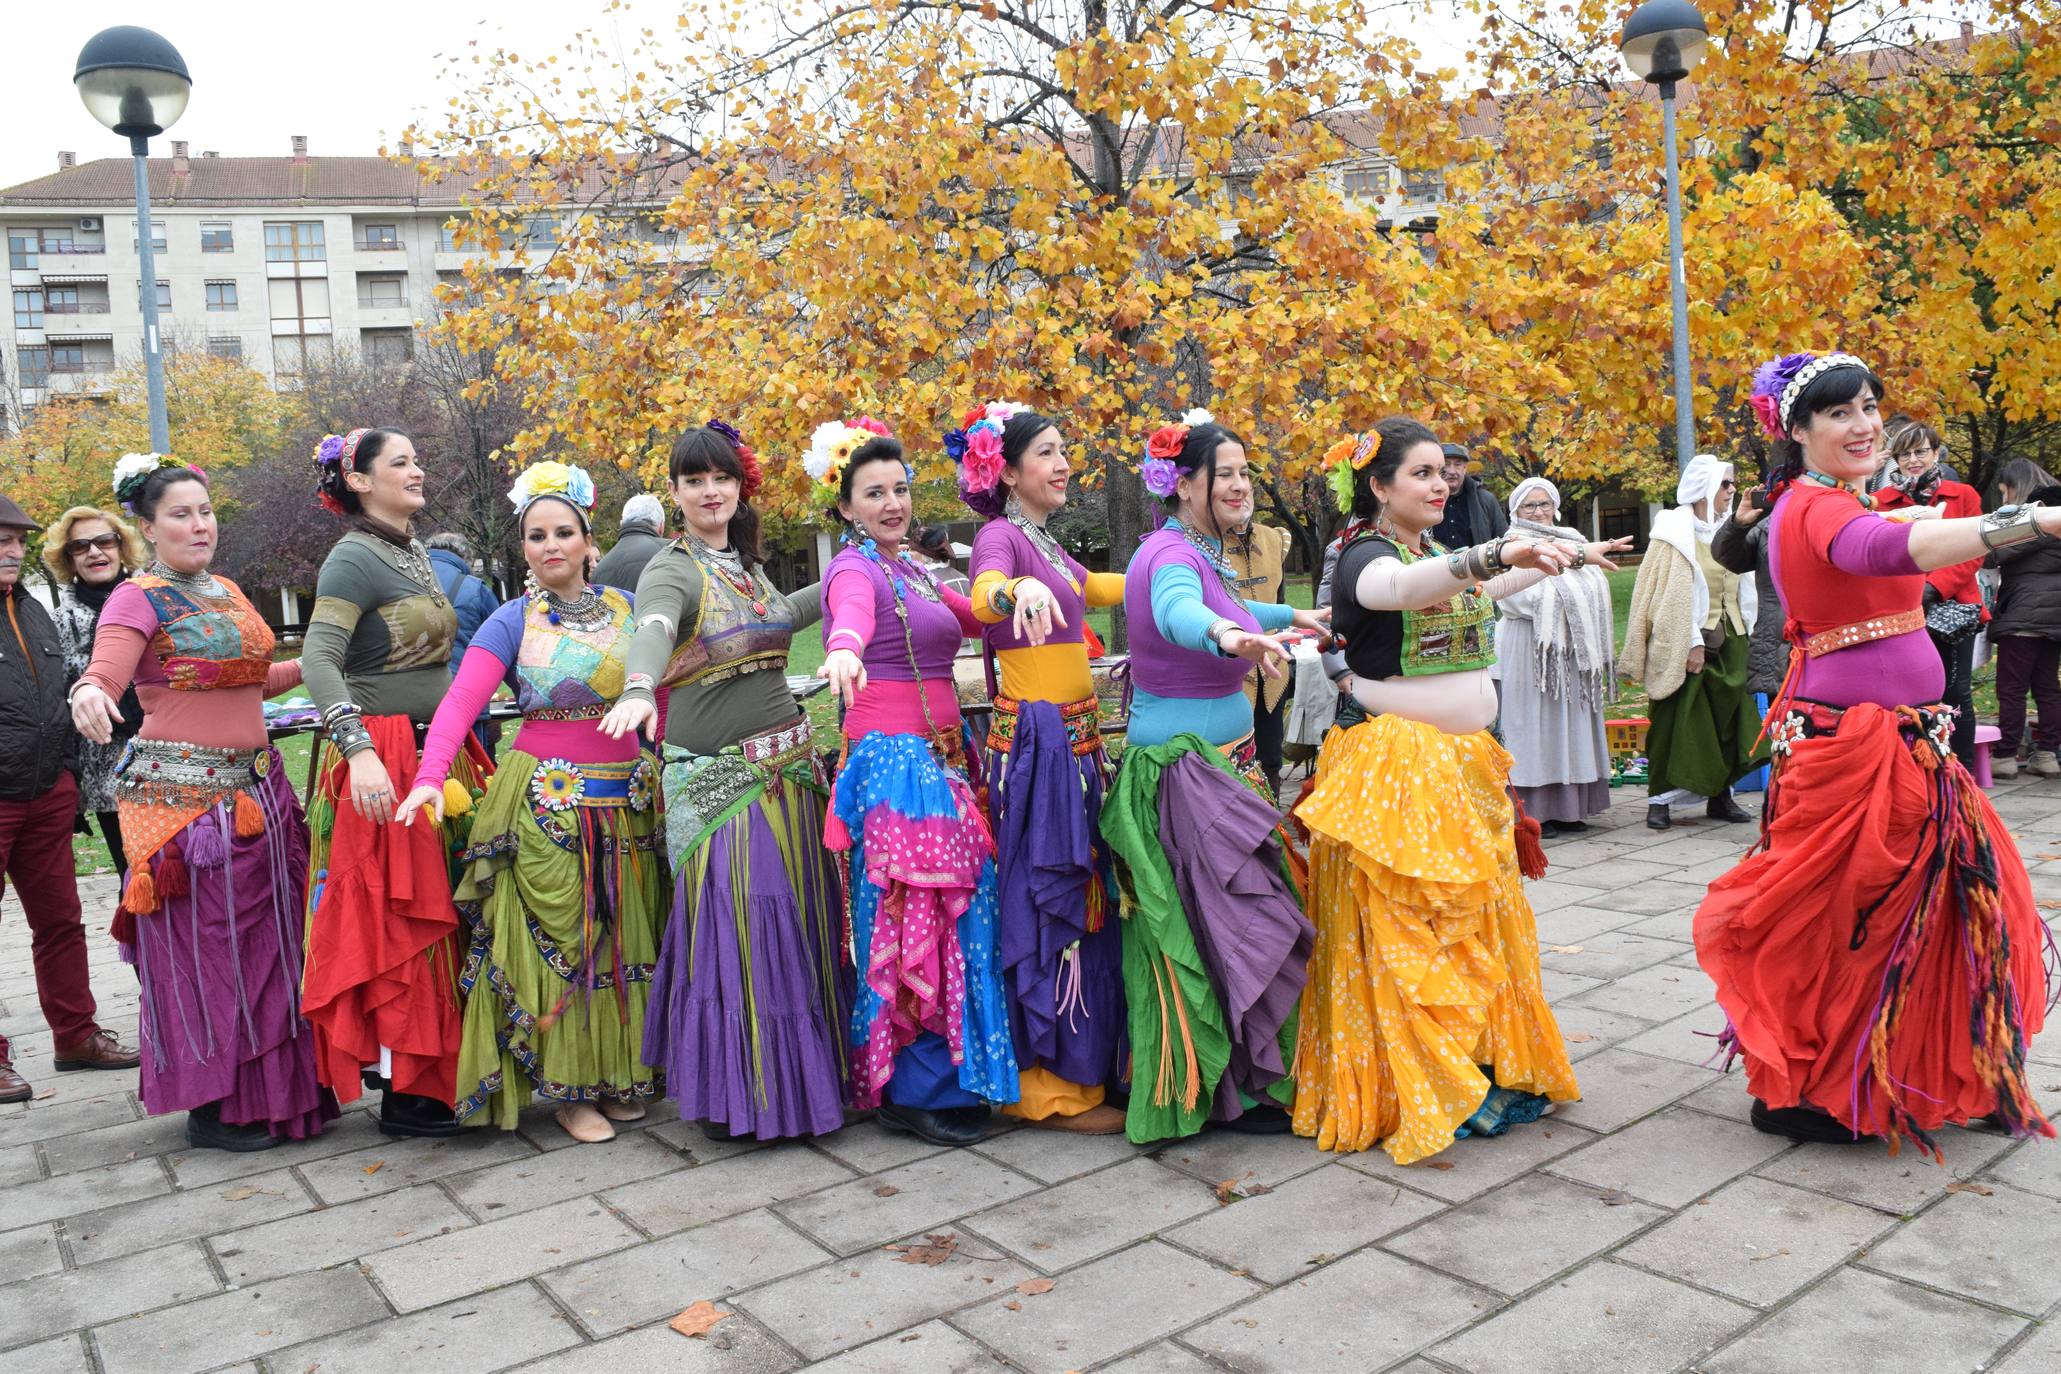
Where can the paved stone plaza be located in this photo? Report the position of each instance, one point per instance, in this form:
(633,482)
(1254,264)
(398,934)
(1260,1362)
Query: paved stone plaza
(1647,1228)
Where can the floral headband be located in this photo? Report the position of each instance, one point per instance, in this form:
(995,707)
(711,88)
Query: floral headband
(1160,471)
(1778,383)
(834,443)
(337,453)
(1347,457)
(976,446)
(134,470)
(568,483)
(754,475)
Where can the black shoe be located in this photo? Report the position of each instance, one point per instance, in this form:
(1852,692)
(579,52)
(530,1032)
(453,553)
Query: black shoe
(1724,808)
(1802,1123)
(721,1134)
(939,1128)
(1574,827)
(408,1114)
(1657,817)
(1548,829)
(205,1130)
(374,1080)
(1264,1119)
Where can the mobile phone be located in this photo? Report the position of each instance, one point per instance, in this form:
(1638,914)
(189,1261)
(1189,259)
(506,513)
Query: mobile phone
(1757,497)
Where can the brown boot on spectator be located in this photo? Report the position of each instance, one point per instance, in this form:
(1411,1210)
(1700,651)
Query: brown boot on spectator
(13,1087)
(99,1050)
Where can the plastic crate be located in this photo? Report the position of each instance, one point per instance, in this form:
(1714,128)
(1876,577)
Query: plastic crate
(1627,738)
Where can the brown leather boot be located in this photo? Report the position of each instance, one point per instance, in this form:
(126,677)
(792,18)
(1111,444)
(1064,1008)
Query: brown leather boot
(99,1050)
(13,1087)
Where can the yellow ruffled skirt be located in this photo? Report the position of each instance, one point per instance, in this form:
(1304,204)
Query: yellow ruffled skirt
(1424,985)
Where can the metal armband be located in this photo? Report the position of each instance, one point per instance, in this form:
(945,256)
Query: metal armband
(2010,525)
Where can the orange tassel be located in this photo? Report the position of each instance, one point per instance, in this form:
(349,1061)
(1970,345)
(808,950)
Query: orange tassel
(250,821)
(140,897)
(1531,852)
(171,872)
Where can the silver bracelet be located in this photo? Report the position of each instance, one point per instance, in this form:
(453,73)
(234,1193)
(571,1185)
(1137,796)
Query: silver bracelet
(1218,628)
(2009,525)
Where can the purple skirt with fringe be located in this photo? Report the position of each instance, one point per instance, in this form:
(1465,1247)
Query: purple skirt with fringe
(220,969)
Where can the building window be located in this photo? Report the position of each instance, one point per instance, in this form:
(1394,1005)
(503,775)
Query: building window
(541,233)
(292,354)
(382,293)
(387,345)
(35,366)
(217,238)
(28,309)
(164,295)
(67,357)
(21,249)
(1367,183)
(1423,186)
(61,300)
(225,346)
(221,295)
(295,241)
(381,238)
(447,237)
(157,236)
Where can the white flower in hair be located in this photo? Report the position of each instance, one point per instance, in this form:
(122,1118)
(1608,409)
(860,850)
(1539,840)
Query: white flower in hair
(1198,416)
(134,465)
(822,445)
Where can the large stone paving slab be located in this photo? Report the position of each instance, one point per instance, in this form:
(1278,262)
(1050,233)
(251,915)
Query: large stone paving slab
(1604,1317)
(1361,1313)
(1861,1323)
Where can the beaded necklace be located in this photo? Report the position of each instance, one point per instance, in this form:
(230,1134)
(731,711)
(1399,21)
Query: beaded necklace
(1041,538)
(1810,475)
(728,564)
(202,583)
(1211,551)
(924,588)
(585,612)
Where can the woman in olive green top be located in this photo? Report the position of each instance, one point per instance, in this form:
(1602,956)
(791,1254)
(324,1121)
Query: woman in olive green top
(380,985)
(753,983)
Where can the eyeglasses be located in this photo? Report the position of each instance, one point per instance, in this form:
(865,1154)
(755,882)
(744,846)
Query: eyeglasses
(106,543)
(1537,505)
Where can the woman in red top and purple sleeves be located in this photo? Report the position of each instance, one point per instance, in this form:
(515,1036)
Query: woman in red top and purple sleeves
(930,1030)
(560,880)
(1061,952)
(218,852)
(1878,957)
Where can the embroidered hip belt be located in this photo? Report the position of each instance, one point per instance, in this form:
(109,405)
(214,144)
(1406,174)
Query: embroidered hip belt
(155,772)
(777,748)
(559,785)
(592,711)
(1862,632)
(1803,720)
(1081,718)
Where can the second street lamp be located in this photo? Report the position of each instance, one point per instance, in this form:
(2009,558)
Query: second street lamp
(136,84)
(1663,42)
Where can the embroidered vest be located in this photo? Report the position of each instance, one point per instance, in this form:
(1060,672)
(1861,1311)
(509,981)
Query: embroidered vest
(563,672)
(207,642)
(728,638)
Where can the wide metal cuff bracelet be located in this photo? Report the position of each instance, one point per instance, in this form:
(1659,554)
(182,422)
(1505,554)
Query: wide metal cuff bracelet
(2010,525)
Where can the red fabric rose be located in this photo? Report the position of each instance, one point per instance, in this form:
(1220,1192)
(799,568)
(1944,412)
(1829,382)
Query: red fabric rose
(1166,442)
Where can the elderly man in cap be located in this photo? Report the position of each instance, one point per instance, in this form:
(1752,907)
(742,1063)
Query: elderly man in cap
(638,540)
(38,800)
(1473,514)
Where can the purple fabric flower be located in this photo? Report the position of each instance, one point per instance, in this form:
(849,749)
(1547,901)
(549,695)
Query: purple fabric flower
(1775,374)
(1160,475)
(330,450)
(728,431)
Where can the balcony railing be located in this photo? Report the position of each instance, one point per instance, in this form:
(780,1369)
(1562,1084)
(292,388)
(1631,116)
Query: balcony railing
(76,308)
(379,245)
(78,249)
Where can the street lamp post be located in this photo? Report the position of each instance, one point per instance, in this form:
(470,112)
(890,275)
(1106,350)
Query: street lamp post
(1663,41)
(135,83)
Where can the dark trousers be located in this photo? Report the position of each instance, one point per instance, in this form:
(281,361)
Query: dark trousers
(2025,664)
(111,836)
(1268,729)
(1959,662)
(36,856)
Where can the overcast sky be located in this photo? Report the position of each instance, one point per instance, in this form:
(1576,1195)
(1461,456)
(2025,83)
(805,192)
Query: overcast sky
(348,76)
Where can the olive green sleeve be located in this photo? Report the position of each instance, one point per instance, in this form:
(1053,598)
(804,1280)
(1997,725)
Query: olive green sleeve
(343,593)
(668,603)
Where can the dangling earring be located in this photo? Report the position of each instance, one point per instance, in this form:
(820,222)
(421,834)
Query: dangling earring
(1012,509)
(532,588)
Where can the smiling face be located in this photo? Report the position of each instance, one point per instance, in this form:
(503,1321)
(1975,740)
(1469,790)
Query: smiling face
(1843,441)
(707,499)
(1039,478)
(389,487)
(1917,459)
(183,528)
(880,502)
(1538,508)
(95,550)
(1229,498)
(1415,499)
(555,545)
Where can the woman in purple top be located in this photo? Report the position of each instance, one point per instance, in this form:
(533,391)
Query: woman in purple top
(1215,941)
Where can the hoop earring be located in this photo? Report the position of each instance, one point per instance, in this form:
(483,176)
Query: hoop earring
(1012,509)
(532,588)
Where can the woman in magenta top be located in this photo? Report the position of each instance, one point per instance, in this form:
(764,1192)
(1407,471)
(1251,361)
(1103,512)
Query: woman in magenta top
(930,1025)
(561,881)
(218,851)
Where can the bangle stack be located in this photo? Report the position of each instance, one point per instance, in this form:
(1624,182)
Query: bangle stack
(1000,600)
(1477,563)
(346,726)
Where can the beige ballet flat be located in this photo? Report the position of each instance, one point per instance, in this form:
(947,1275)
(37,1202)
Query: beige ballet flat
(623,1111)
(584,1124)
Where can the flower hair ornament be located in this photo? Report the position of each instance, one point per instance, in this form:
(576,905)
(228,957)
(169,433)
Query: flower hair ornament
(1778,383)
(1347,457)
(134,470)
(834,443)
(336,455)
(568,483)
(1160,469)
(754,475)
(976,446)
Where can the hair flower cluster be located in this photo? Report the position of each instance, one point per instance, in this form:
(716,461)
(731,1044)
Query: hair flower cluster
(832,445)
(1779,383)
(551,478)
(1345,458)
(747,459)
(976,446)
(134,469)
(1160,471)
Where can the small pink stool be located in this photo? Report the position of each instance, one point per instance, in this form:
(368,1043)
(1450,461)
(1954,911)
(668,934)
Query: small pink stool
(1985,736)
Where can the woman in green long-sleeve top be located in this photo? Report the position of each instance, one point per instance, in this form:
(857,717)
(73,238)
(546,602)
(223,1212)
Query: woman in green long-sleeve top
(753,982)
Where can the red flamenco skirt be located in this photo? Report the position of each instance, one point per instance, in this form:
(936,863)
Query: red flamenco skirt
(383,935)
(1879,957)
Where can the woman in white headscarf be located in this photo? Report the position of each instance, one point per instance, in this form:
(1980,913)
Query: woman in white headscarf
(1687,640)
(1553,655)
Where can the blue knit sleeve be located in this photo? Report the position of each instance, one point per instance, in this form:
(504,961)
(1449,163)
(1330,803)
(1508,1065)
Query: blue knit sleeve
(1272,615)
(1178,609)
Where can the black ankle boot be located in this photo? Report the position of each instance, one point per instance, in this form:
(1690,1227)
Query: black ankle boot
(939,1128)
(410,1114)
(205,1130)
(1657,817)
(1802,1123)
(1264,1118)
(1724,808)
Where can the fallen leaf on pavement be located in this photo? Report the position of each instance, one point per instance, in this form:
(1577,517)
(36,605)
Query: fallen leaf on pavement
(1769,1255)
(886,1190)
(1030,1288)
(1013,1306)
(1579,1037)
(1231,1189)
(1615,1197)
(1563,949)
(937,1252)
(249,1190)
(1961,1185)
(375,1166)
(1442,1165)
(696,1320)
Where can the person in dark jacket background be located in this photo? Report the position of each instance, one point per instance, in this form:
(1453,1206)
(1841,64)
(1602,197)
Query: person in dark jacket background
(469,596)
(1923,479)
(1741,546)
(1473,514)
(38,799)
(638,539)
(2027,630)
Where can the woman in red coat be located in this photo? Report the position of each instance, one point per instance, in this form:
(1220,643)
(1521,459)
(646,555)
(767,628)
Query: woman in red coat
(1918,454)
